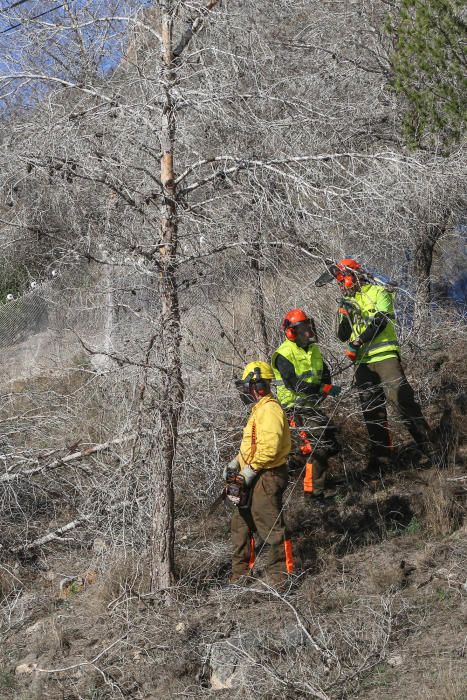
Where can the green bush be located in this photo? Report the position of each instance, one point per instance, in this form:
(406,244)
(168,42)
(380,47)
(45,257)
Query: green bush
(428,67)
(13,279)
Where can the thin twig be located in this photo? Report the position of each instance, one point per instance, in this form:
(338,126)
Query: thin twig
(83,663)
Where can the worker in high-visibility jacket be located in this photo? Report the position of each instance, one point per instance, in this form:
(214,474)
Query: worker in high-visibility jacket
(367,325)
(303,379)
(261,464)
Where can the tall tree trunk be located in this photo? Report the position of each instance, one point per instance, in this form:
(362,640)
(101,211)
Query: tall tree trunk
(258,304)
(423,259)
(171,399)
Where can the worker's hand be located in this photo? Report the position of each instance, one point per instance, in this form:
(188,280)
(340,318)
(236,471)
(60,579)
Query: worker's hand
(345,307)
(248,474)
(331,390)
(232,466)
(352,350)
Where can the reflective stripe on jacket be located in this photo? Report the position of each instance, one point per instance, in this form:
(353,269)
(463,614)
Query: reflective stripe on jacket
(308,365)
(370,300)
(266,437)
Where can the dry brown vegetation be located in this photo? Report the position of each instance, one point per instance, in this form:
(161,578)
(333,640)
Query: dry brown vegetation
(154,286)
(377,609)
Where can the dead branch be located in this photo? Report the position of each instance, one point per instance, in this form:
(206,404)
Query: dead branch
(83,663)
(65,460)
(193,26)
(50,536)
(62,461)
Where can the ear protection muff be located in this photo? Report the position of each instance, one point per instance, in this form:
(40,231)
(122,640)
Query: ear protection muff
(261,385)
(291,333)
(346,281)
(289,330)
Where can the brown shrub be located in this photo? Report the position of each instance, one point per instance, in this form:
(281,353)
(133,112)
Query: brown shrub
(442,513)
(126,575)
(386,578)
(7,584)
(446,686)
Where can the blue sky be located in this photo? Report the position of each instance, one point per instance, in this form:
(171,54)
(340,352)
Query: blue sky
(50,40)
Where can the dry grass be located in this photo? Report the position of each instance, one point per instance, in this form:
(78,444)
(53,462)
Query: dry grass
(442,515)
(385,579)
(7,584)
(126,575)
(445,685)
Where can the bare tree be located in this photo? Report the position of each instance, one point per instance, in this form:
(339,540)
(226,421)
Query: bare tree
(225,156)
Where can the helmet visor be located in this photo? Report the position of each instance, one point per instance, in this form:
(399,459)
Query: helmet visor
(302,326)
(243,389)
(305,331)
(247,389)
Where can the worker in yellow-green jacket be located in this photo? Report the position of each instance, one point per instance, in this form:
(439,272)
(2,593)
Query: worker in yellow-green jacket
(256,480)
(367,325)
(303,380)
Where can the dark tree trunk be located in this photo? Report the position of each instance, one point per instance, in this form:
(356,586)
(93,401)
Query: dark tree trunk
(421,270)
(259,315)
(171,398)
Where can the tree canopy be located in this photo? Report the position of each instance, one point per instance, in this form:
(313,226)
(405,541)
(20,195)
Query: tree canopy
(429,67)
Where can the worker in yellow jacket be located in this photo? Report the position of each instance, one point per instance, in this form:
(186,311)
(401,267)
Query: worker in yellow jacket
(260,467)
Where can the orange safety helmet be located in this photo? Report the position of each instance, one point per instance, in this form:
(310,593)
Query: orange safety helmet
(346,276)
(292,319)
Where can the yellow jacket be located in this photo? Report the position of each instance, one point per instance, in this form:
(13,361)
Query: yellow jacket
(266,437)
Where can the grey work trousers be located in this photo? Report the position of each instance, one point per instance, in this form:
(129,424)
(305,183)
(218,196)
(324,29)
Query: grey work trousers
(384,382)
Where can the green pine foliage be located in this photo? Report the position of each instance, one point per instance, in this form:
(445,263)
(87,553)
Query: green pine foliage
(429,67)
(13,279)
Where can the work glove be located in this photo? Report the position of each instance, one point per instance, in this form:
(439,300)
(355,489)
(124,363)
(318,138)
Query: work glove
(331,390)
(248,474)
(352,350)
(232,466)
(345,307)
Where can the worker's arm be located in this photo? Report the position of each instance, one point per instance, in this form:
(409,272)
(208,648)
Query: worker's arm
(377,325)
(290,379)
(345,329)
(326,376)
(384,311)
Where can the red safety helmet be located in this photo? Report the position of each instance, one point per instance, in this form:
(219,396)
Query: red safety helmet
(292,319)
(346,276)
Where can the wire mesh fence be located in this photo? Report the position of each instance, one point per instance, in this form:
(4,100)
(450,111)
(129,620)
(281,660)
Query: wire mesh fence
(231,308)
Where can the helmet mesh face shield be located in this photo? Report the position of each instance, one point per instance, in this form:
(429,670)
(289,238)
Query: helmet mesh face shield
(302,331)
(243,389)
(346,272)
(305,328)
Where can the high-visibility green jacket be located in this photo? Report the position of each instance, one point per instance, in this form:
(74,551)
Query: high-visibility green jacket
(366,303)
(266,437)
(308,365)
